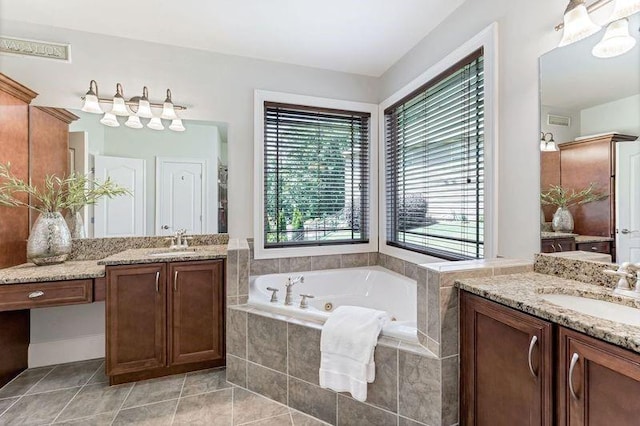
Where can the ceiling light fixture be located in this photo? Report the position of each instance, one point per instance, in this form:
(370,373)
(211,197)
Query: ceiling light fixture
(616,40)
(624,9)
(135,108)
(577,23)
(91,103)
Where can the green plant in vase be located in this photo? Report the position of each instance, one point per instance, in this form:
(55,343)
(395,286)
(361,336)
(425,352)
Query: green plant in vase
(563,199)
(50,239)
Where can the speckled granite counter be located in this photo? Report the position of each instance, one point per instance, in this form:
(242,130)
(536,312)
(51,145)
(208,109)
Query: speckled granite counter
(159,255)
(551,235)
(30,273)
(522,292)
(592,239)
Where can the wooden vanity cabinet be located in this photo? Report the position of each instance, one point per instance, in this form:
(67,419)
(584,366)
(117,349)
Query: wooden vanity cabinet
(603,386)
(557,245)
(136,318)
(506,365)
(196,308)
(164,318)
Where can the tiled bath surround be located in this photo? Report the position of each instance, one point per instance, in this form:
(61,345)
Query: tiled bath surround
(279,357)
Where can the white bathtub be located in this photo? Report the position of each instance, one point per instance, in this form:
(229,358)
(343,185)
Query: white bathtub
(371,287)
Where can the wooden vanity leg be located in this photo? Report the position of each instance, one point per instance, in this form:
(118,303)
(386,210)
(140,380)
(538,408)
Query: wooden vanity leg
(14,344)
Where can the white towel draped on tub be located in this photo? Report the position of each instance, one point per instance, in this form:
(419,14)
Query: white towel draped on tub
(348,340)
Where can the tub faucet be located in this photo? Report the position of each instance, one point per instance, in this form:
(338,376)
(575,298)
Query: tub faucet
(288,299)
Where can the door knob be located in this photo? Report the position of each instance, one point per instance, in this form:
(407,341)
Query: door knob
(626,231)
(165,227)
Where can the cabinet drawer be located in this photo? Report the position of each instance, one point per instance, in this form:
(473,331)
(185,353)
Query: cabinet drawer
(599,247)
(38,295)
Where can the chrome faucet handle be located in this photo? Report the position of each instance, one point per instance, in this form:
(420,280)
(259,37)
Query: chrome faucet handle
(274,295)
(627,278)
(303,302)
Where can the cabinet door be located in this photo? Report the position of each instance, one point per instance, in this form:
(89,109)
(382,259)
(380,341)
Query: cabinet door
(136,318)
(599,382)
(196,310)
(506,358)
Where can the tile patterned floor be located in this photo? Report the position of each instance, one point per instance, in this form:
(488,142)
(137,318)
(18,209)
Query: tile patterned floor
(78,394)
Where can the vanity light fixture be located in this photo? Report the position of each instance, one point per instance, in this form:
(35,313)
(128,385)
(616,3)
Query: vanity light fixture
(577,23)
(135,108)
(168,113)
(134,122)
(547,144)
(91,103)
(624,9)
(119,107)
(616,40)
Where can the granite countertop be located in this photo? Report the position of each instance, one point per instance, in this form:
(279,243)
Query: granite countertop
(592,239)
(70,270)
(551,235)
(163,254)
(523,291)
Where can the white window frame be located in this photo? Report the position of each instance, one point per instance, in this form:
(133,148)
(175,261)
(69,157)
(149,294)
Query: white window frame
(487,39)
(262,96)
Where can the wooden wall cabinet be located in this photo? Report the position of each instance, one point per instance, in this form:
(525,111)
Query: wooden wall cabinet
(164,319)
(506,359)
(569,380)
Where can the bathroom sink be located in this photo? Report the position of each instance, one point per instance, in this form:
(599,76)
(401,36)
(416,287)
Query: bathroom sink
(597,308)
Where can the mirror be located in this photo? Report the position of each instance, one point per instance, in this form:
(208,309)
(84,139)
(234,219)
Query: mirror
(590,108)
(177,179)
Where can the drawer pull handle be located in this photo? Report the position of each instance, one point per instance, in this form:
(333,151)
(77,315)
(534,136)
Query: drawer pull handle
(158,282)
(534,340)
(36,294)
(594,248)
(560,247)
(572,366)
(175,281)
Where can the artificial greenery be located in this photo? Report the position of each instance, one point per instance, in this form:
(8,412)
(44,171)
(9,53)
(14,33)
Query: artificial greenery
(56,194)
(561,197)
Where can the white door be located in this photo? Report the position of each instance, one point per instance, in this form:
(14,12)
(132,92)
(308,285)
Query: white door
(180,202)
(628,202)
(122,216)
(79,163)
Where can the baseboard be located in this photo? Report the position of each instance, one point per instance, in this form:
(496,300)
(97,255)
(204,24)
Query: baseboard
(68,350)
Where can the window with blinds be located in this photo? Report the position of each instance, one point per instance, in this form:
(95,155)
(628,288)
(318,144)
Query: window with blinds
(316,175)
(435,165)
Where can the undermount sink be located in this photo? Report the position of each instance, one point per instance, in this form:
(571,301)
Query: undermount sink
(597,308)
(173,253)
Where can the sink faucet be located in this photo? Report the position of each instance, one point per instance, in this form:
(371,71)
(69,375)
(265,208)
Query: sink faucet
(288,299)
(179,241)
(629,282)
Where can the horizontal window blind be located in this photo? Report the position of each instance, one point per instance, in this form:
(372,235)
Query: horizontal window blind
(434,141)
(316,174)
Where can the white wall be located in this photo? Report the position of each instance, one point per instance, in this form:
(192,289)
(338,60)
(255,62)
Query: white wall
(215,87)
(525,33)
(561,134)
(620,116)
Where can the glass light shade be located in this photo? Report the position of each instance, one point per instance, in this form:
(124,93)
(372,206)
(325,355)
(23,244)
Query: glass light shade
(119,107)
(91,104)
(134,122)
(616,40)
(577,23)
(168,113)
(624,8)
(144,109)
(155,123)
(176,125)
(110,120)
(548,146)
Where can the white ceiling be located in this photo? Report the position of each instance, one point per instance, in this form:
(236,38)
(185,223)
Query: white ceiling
(571,78)
(356,36)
